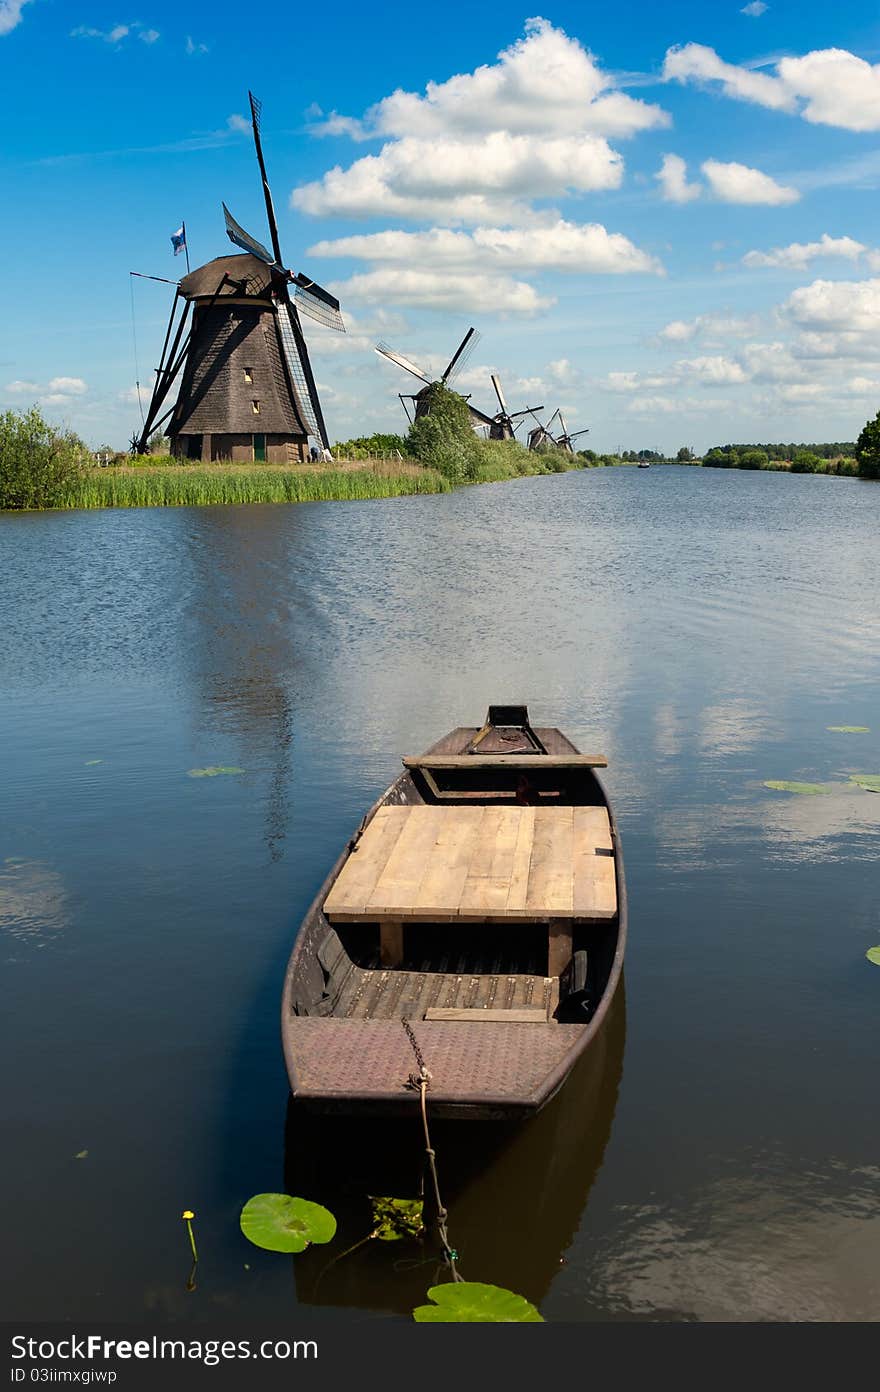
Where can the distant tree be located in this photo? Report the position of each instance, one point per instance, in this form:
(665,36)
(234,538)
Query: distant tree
(754,459)
(685,455)
(867,449)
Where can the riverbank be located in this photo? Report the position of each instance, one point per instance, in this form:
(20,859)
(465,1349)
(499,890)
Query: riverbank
(170,484)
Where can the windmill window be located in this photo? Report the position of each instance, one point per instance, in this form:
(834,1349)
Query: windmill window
(248,375)
(256,408)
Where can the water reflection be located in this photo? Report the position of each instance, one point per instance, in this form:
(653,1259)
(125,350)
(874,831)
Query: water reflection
(516,1194)
(33,901)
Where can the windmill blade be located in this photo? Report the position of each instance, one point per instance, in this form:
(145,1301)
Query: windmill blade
(405,363)
(299,370)
(551,420)
(312,299)
(243,239)
(577,434)
(256,112)
(529,411)
(465,348)
(562,423)
(500,394)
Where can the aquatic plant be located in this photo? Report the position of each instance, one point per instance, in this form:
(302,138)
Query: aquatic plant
(849,729)
(873,955)
(213,772)
(471,1302)
(394,1219)
(869,781)
(279,1223)
(807,789)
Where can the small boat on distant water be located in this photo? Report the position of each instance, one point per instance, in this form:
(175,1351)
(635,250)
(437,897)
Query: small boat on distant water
(644,464)
(477,920)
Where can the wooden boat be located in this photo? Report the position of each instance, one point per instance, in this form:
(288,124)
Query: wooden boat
(480,911)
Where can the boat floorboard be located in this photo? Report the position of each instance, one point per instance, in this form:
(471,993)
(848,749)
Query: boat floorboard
(394,994)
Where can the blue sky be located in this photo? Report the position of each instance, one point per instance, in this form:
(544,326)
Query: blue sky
(662,219)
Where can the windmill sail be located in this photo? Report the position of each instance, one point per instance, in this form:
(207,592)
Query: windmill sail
(401,361)
(312,299)
(465,348)
(299,377)
(243,239)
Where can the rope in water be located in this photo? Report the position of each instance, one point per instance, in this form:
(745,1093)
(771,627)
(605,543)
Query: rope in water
(420,1082)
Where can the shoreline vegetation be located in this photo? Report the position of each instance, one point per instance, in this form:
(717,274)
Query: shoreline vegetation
(44,468)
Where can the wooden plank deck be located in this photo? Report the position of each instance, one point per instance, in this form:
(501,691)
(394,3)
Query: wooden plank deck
(487,864)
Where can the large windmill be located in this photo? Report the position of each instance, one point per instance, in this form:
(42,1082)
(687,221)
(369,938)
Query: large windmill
(421,400)
(247,390)
(502,427)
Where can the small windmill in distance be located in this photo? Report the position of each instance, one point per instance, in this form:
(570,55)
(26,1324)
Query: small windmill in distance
(502,427)
(422,400)
(247,390)
(542,437)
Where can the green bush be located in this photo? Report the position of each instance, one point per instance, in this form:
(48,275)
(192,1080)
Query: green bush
(370,446)
(847,467)
(443,439)
(805,462)
(38,463)
(868,449)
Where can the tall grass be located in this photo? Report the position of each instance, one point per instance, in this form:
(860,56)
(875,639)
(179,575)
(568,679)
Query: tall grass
(181,486)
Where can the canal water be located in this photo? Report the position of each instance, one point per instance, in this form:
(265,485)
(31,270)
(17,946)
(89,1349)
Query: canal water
(714,1158)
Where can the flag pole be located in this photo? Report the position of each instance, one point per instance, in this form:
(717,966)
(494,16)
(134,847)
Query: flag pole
(185,246)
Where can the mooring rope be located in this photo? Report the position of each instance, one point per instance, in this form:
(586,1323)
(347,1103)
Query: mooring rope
(420,1082)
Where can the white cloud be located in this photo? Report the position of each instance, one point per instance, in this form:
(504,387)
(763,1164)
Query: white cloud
(493,178)
(799,254)
(738,183)
(716,371)
(851,306)
(130,394)
(238,123)
(22,388)
(482,146)
(193,47)
(149,36)
(830,86)
(586,248)
(672,176)
(111,36)
(712,325)
(678,331)
(68,386)
(755,9)
(443,290)
(10,14)
(544,83)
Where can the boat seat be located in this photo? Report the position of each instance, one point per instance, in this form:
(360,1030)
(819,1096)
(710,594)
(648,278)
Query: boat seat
(448,762)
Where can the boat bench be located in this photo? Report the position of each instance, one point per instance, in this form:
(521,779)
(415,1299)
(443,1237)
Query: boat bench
(426,864)
(430,764)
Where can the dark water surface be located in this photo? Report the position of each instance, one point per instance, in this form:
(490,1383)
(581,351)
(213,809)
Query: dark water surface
(717,1156)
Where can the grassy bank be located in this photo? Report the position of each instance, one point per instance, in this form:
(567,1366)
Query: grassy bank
(182,485)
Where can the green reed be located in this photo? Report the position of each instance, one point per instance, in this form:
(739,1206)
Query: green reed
(182,486)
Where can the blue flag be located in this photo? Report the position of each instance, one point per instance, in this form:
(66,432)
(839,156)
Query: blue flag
(178,239)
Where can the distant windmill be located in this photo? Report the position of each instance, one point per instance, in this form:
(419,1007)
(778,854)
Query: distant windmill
(502,427)
(421,400)
(247,391)
(542,437)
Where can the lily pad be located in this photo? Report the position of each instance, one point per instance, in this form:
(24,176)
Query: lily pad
(873,955)
(280,1223)
(805,788)
(214,771)
(81,1155)
(869,781)
(396,1218)
(469,1302)
(849,729)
